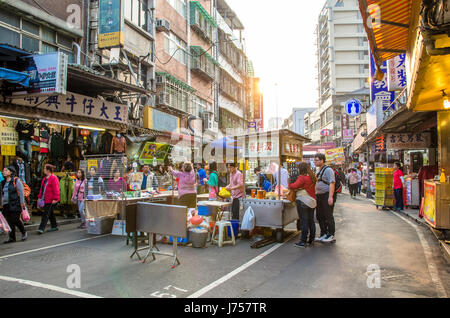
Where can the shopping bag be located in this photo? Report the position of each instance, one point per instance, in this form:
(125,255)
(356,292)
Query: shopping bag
(422,208)
(248,222)
(224,193)
(25,215)
(4,226)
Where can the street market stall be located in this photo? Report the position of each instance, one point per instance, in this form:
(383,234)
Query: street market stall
(269,151)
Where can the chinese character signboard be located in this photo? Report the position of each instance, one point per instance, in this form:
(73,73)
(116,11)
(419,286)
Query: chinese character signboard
(292,147)
(380,145)
(8,141)
(48,74)
(397,73)
(151,150)
(326,132)
(408,141)
(379,89)
(76,104)
(335,156)
(263,147)
(111,23)
(347,134)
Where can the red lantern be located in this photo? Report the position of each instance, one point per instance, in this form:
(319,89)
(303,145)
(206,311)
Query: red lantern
(84,132)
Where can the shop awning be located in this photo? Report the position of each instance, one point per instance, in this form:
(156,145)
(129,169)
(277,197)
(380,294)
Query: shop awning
(199,51)
(14,77)
(388,33)
(176,81)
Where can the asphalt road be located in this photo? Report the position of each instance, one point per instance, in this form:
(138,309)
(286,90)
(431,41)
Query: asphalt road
(367,240)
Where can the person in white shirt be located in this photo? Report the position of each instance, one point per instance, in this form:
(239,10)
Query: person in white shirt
(358,171)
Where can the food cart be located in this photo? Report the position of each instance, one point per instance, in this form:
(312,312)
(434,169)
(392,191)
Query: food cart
(283,148)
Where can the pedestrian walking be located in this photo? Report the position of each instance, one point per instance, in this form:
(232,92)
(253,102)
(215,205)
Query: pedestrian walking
(398,186)
(187,194)
(353,183)
(305,185)
(201,177)
(49,194)
(237,189)
(212,182)
(326,199)
(13,202)
(78,196)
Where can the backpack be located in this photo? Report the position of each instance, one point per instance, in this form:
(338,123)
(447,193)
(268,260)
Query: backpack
(267,186)
(26,190)
(337,177)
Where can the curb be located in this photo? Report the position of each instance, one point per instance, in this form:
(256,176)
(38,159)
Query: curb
(445,249)
(32,227)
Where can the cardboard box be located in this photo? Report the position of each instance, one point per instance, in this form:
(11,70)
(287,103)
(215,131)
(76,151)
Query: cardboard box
(99,226)
(119,228)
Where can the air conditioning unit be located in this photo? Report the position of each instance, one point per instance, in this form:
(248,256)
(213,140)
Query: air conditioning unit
(208,121)
(163,99)
(162,25)
(160,80)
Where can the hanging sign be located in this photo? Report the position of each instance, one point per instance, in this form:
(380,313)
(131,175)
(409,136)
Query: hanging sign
(397,73)
(408,141)
(335,156)
(353,107)
(110,23)
(380,145)
(326,132)
(8,136)
(379,89)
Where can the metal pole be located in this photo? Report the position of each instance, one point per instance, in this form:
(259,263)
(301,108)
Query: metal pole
(368,191)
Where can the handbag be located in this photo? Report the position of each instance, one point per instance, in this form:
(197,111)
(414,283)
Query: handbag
(4,226)
(41,202)
(292,195)
(75,199)
(224,193)
(25,215)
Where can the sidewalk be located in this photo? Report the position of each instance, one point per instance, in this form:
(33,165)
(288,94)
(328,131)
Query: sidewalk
(33,224)
(413,214)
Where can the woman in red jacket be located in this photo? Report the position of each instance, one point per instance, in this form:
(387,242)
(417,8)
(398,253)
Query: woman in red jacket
(50,194)
(306,202)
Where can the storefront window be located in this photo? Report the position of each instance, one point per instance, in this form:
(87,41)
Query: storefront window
(30,44)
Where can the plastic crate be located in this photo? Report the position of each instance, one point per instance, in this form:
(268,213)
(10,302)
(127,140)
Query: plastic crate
(384,192)
(204,210)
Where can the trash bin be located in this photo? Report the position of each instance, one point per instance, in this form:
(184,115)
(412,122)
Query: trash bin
(198,238)
(235,226)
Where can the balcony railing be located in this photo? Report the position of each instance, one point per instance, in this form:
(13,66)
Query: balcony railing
(202,22)
(203,63)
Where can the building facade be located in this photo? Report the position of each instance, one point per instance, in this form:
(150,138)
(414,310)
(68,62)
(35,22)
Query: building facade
(342,66)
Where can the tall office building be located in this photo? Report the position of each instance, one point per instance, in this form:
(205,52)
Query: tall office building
(342,65)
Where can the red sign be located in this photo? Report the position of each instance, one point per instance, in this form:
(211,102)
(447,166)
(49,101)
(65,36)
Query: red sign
(326,132)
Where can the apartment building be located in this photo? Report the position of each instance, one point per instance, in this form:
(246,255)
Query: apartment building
(342,66)
(296,121)
(235,85)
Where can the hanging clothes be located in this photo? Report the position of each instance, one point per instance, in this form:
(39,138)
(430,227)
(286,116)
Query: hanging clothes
(44,140)
(105,143)
(118,145)
(57,146)
(69,141)
(35,140)
(66,185)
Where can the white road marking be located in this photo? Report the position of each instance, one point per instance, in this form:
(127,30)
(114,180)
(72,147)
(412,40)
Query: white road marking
(432,268)
(52,246)
(49,287)
(220,281)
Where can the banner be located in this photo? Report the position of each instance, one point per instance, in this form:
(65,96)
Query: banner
(8,136)
(110,23)
(408,141)
(397,73)
(335,156)
(379,89)
(48,74)
(76,104)
(430,203)
(151,150)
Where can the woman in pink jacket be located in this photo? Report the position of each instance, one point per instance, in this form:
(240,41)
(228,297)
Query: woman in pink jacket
(78,196)
(50,194)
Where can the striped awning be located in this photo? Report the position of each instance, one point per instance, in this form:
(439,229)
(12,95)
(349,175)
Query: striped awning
(387,26)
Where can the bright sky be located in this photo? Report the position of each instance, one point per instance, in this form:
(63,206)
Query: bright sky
(280,41)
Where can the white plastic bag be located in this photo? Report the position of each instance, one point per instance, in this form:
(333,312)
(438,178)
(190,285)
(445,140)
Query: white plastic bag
(248,222)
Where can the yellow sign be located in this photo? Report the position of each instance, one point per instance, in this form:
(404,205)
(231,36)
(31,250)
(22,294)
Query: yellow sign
(151,150)
(8,150)
(335,156)
(110,39)
(8,136)
(92,163)
(430,203)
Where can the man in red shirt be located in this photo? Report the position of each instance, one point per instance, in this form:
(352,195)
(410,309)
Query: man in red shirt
(398,186)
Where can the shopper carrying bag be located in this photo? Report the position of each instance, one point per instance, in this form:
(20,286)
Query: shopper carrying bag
(13,202)
(78,196)
(305,186)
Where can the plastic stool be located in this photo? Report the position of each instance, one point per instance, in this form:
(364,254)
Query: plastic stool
(223,225)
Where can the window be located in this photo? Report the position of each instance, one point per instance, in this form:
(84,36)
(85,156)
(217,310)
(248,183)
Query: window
(171,45)
(30,44)
(178,97)
(30,27)
(180,6)
(10,37)
(136,11)
(46,48)
(329,115)
(9,19)
(199,106)
(48,35)
(64,40)
(339,3)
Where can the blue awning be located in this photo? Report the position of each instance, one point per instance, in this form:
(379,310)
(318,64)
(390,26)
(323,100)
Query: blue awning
(10,50)
(15,77)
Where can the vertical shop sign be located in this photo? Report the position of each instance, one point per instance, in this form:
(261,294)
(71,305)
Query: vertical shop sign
(111,23)
(430,203)
(397,73)
(379,89)
(380,145)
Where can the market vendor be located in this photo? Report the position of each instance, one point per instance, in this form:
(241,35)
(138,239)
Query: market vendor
(117,184)
(148,178)
(187,194)
(213,181)
(95,182)
(236,187)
